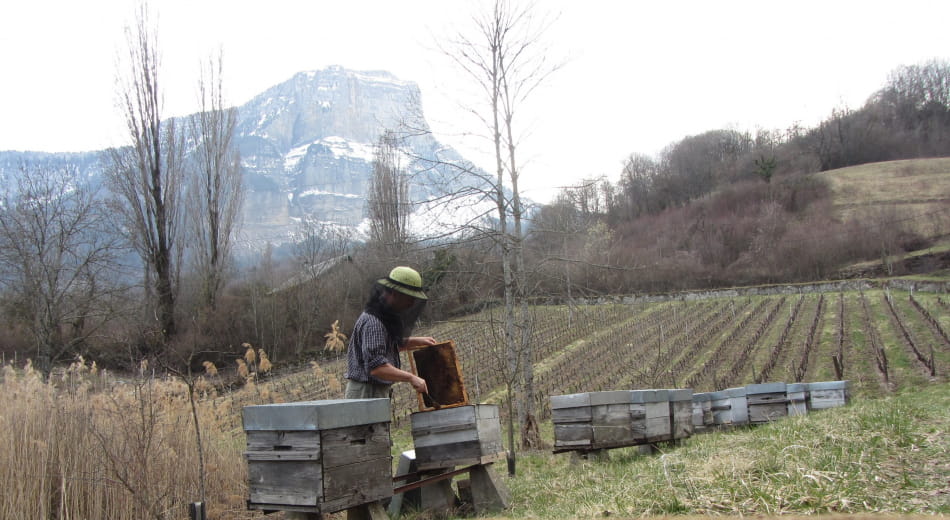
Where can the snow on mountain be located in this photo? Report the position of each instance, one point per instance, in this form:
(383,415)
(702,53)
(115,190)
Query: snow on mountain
(307,147)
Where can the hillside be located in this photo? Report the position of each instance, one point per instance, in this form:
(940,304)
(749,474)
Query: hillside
(919,188)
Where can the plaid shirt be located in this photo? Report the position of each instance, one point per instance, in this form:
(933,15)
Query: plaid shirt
(370,347)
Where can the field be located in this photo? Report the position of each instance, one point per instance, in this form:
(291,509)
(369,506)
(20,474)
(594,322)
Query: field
(88,446)
(912,191)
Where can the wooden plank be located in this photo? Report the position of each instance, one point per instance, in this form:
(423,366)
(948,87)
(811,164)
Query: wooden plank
(447,417)
(569,433)
(739,413)
(797,395)
(268,508)
(613,414)
(453,437)
(765,399)
(458,454)
(681,419)
(570,401)
(613,436)
(766,402)
(285,482)
(313,456)
(611,397)
(315,415)
(350,485)
(571,415)
(275,440)
(355,444)
(764,413)
(451,463)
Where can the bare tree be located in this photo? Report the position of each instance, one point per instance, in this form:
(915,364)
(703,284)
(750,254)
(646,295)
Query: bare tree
(388,201)
(57,258)
(506,61)
(215,193)
(146,177)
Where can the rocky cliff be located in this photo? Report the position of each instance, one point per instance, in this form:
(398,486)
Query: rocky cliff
(306,148)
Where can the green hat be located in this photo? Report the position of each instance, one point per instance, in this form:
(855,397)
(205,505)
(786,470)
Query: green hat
(405,280)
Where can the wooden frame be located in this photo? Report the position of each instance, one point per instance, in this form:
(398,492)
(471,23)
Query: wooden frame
(439,365)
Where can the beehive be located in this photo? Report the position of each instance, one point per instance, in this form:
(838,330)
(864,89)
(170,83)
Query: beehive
(828,394)
(730,407)
(797,394)
(318,456)
(439,365)
(572,419)
(457,436)
(767,402)
(613,419)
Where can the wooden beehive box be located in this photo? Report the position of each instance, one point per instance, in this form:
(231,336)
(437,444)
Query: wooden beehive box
(828,394)
(652,418)
(615,420)
(740,405)
(572,419)
(797,394)
(681,412)
(457,436)
(439,365)
(767,402)
(702,412)
(730,407)
(318,456)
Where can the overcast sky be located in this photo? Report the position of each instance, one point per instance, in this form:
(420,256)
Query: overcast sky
(637,75)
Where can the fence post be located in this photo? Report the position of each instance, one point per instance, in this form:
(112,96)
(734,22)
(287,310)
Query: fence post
(196,511)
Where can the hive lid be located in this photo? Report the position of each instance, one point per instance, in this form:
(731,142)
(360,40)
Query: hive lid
(316,415)
(738,391)
(829,385)
(570,400)
(765,388)
(649,396)
(611,397)
(680,394)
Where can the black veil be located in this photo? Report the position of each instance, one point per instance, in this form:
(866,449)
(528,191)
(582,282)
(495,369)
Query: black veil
(398,325)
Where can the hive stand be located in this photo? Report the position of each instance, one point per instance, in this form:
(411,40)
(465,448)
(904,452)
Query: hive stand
(431,490)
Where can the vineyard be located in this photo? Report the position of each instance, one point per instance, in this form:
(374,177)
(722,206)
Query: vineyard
(881,340)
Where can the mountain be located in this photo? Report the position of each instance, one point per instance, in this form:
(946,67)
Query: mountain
(306,148)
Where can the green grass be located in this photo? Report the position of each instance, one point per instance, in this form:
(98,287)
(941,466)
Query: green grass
(881,456)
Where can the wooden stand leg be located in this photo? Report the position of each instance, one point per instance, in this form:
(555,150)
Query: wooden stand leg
(437,496)
(371,511)
(489,493)
(407,465)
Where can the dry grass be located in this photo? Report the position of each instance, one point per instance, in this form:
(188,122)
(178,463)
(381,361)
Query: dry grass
(911,180)
(914,188)
(85,445)
(336,340)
